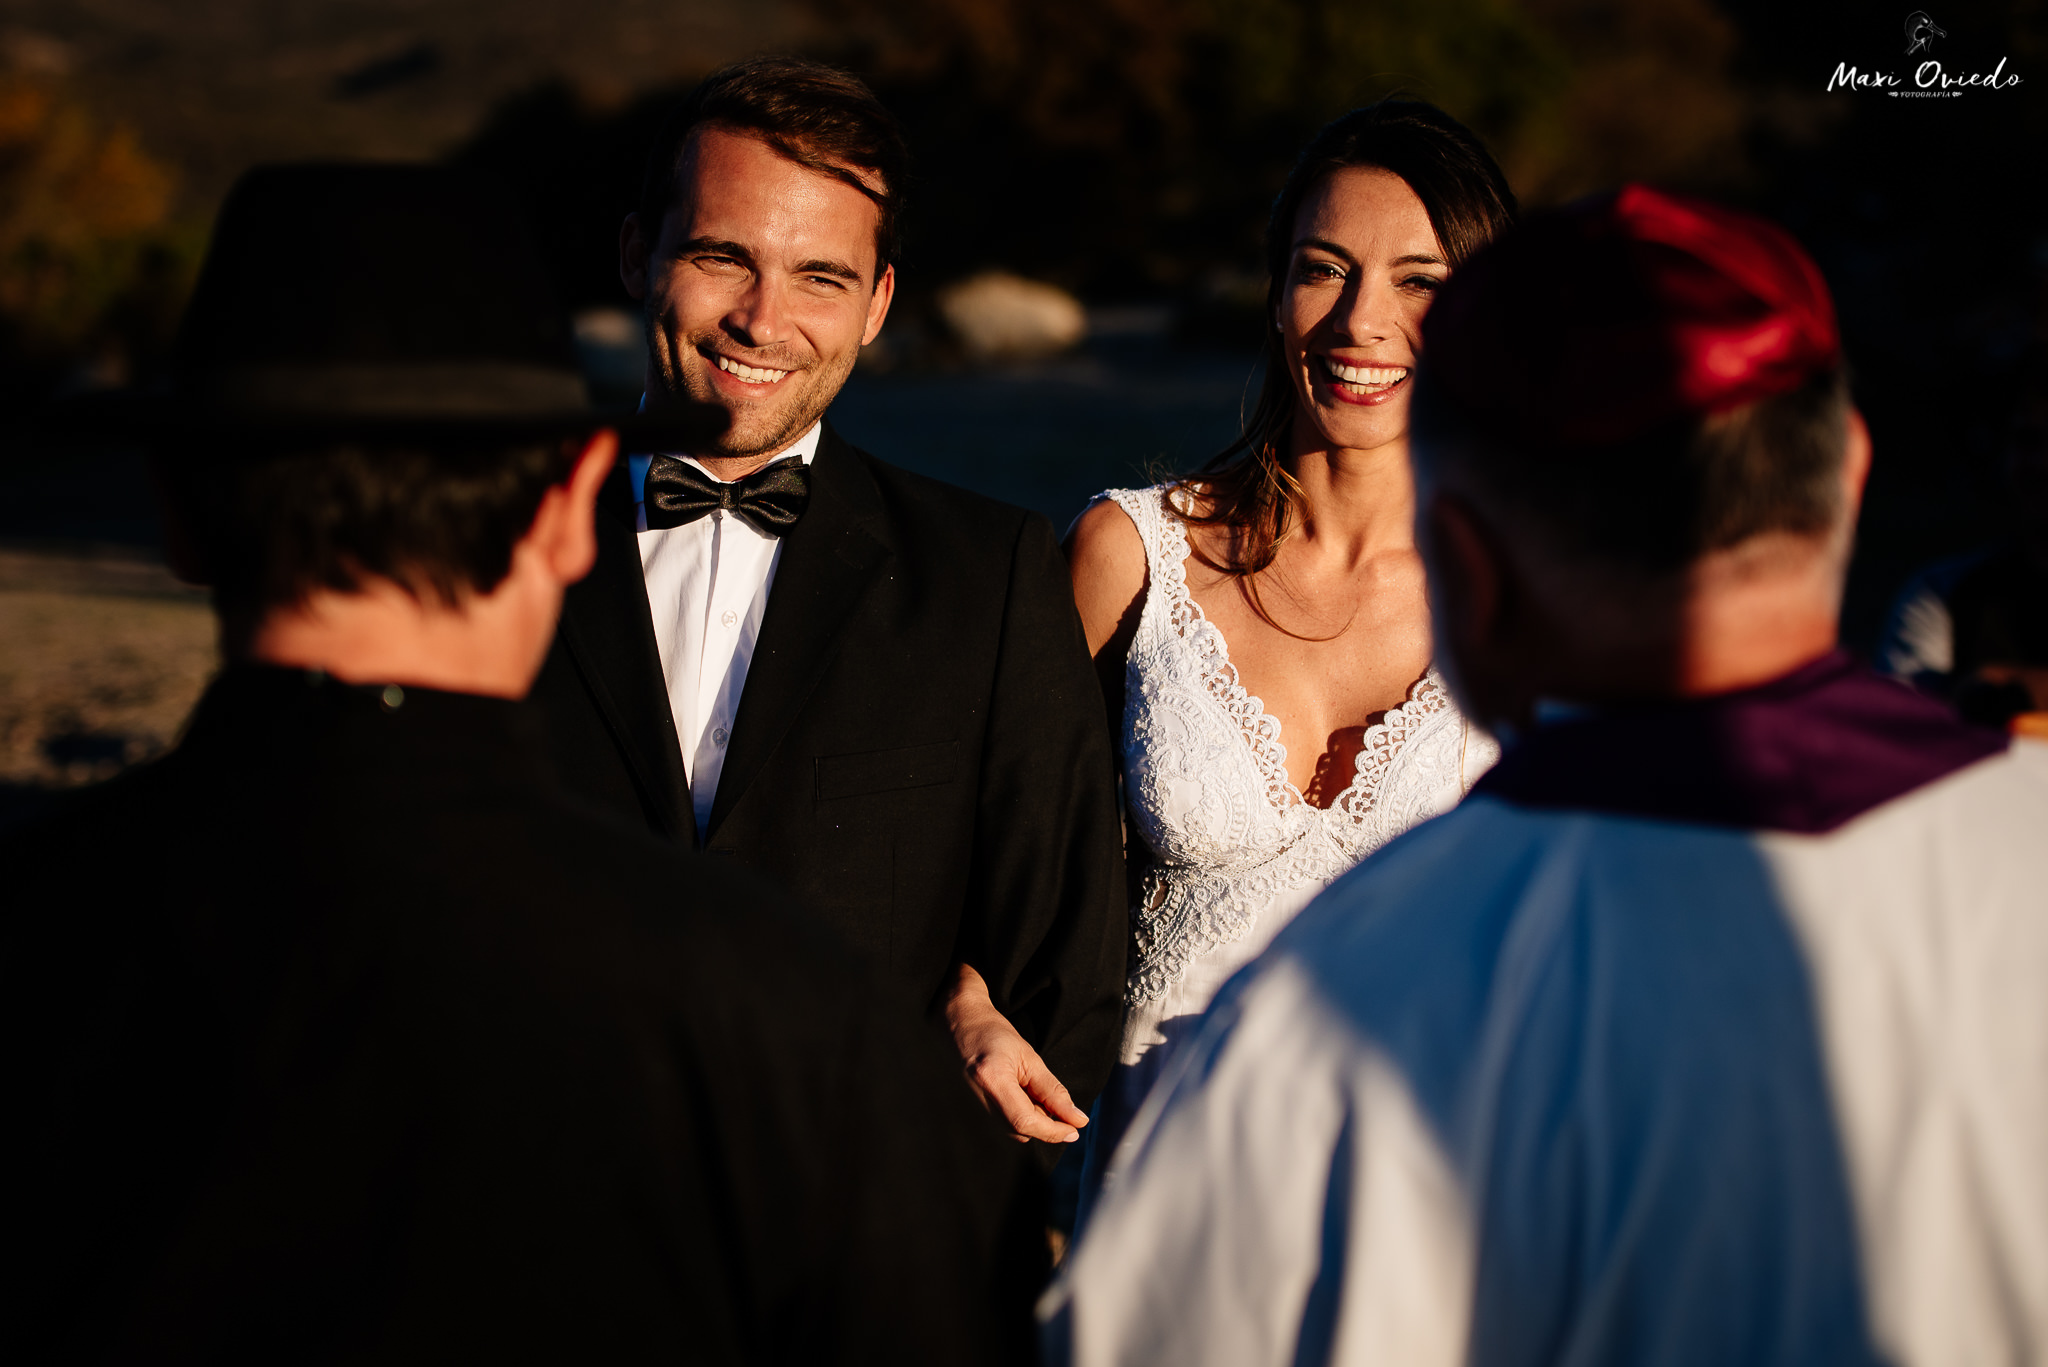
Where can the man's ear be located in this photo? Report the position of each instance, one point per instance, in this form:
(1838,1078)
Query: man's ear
(635,249)
(564,530)
(878,304)
(1855,463)
(1467,574)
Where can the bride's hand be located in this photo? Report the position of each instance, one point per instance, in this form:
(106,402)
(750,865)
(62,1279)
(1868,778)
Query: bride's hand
(1004,1070)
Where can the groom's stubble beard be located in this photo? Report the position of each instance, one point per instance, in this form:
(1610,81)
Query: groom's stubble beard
(679,368)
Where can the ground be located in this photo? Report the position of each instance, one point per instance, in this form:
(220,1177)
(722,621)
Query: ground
(105,655)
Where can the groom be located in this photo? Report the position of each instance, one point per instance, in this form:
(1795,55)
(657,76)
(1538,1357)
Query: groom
(866,685)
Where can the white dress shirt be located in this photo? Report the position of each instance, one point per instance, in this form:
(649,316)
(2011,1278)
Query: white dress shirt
(707,587)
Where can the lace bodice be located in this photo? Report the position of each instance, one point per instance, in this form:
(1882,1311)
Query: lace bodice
(1205,774)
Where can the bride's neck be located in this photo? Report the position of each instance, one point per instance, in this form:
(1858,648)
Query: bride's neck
(1363,499)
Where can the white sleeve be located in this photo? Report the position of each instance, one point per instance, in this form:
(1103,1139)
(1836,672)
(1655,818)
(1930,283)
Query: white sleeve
(1280,1199)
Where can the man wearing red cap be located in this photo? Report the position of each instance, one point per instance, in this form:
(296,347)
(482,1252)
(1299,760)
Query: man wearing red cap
(1711,1028)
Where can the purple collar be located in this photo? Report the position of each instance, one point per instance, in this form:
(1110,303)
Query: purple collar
(1806,752)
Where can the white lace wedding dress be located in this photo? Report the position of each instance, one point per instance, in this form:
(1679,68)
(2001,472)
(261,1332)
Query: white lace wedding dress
(1237,851)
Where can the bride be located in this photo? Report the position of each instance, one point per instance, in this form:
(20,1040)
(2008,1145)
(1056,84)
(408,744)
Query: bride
(1261,628)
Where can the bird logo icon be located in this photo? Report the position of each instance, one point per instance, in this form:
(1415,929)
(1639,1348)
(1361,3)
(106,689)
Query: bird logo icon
(1921,32)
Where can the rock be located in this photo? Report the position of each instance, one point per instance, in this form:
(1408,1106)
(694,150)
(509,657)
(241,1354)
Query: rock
(613,350)
(1002,317)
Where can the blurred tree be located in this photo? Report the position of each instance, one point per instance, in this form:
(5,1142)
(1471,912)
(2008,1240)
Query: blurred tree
(92,267)
(1651,97)
(1128,146)
(1309,60)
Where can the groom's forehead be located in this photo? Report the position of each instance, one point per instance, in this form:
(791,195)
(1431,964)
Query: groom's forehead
(736,186)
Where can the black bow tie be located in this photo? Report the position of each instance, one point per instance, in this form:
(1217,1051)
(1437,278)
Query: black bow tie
(772,498)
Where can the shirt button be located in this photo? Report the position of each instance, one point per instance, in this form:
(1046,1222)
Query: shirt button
(718,736)
(730,618)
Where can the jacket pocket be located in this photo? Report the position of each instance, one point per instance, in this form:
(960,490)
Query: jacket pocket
(882,771)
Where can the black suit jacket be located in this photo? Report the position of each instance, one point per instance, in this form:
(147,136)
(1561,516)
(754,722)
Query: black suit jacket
(919,755)
(341,1034)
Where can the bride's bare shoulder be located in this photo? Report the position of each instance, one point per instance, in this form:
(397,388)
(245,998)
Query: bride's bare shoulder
(1106,557)
(1103,544)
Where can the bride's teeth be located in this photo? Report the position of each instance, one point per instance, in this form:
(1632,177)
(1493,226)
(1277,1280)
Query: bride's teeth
(751,374)
(1371,374)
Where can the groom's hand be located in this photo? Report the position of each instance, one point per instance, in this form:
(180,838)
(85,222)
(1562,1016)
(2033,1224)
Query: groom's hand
(1004,1070)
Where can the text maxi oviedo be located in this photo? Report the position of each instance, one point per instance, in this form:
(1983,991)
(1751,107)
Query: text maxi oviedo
(1929,75)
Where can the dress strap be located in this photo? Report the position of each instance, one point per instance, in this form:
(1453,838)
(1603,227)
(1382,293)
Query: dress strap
(1168,605)
(1147,509)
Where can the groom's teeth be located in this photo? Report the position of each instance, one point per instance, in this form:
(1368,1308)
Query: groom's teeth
(1365,374)
(751,374)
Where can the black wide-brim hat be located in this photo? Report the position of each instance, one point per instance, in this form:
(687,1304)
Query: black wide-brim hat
(375,303)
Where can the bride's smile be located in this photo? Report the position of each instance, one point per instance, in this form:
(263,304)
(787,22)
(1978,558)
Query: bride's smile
(1362,383)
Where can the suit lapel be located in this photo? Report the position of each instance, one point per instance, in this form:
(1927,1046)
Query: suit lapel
(827,560)
(609,631)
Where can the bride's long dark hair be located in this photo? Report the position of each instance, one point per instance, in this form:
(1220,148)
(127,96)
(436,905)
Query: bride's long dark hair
(1245,490)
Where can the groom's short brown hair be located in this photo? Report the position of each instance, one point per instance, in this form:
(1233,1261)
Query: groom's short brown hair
(818,116)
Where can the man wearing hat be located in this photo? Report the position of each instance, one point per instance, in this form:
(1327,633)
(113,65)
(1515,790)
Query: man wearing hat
(868,686)
(339,1033)
(1710,1029)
